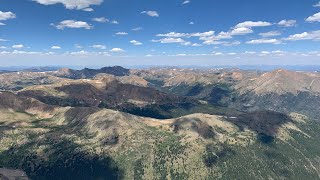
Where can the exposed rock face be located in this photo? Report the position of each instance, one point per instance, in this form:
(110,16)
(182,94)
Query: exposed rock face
(11,174)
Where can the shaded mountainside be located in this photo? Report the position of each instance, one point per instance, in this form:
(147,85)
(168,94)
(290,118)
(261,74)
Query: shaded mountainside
(90,73)
(110,93)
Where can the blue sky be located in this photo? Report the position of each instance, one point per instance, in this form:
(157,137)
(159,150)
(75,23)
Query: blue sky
(163,32)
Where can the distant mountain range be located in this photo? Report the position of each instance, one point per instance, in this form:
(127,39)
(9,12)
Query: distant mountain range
(160,123)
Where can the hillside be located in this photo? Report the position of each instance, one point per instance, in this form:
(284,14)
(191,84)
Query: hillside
(228,124)
(117,145)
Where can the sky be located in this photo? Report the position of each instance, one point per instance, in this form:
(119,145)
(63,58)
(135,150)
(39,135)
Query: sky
(159,32)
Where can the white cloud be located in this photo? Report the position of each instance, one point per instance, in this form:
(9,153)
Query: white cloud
(314,18)
(78,46)
(186,2)
(217,53)
(88,9)
(170,40)
(317,5)
(18,46)
(313,35)
(173,34)
(264,52)
(72,24)
(3,47)
(181,55)
(3,40)
(55,47)
(122,33)
(214,42)
(241,31)
(191,23)
(136,43)
(6,15)
(137,29)
(196,45)
(99,46)
(114,22)
(264,41)
(116,50)
(249,52)
(234,43)
(203,34)
(2,24)
(250,24)
(151,13)
(71,4)
(187,35)
(149,55)
(287,23)
(82,52)
(270,34)
(25,52)
(100,19)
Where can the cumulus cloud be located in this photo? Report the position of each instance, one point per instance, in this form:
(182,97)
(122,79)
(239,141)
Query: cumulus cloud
(173,34)
(241,31)
(233,43)
(71,4)
(151,13)
(114,22)
(196,45)
(264,41)
(136,43)
(116,50)
(250,24)
(99,46)
(169,40)
(191,23)
(270,34)
(2,24)
(313,35)
(55,47)
(186,2)
(3,40)
(317,5)
(249,52)
(122,33)
(100,19)
(88,9)
(72,24)
(287,23)
(78,46)
(6,15)
(18,46)
(137,29)
(314,18)
(187,35)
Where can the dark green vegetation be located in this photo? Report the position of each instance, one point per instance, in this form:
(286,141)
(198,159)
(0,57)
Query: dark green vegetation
(65,162)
